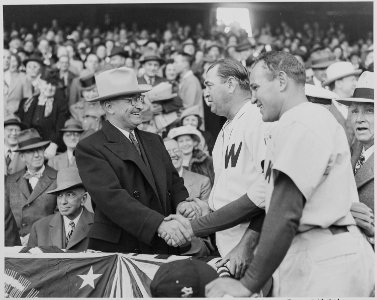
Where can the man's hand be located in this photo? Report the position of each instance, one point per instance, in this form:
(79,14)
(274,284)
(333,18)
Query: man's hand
(189,209)
(226,286)
(203,205)
(364,217)
(174,233)
(50,151)
(241,255)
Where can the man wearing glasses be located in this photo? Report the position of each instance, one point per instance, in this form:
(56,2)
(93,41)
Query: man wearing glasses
(129,175)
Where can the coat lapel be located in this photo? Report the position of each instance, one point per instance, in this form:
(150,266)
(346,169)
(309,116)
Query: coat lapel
(366,172)
(43,183)
(123,148)
(82,229)
(56,231)
(23,186)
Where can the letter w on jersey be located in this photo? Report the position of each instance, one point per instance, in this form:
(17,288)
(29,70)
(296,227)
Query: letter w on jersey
(230,155)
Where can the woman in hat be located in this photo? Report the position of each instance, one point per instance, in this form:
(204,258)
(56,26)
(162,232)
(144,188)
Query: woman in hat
(71,135)
(46,111)
(194,159)
(361,107)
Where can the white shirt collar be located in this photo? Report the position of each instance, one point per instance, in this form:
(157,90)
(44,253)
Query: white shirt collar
(125,132)
(180,172)
(67,221)
(187,74)
(368,153)
(69,154)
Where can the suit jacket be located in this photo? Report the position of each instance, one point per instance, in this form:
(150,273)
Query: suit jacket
(29,207)
(60,161)
(11,236)
(344,122)
(364,177)
(131,198)
(15,165)
(67,88)
(198,186)
(50,231)
(19,88)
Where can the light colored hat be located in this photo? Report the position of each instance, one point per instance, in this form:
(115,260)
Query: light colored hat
(29,139)
(364,91)
(151,55)
(321,59)
(161,91)
(312,90)
(67,178)
(87,80)
(176,132)
(192,110)
(338,70)
(116,82)
(72,125)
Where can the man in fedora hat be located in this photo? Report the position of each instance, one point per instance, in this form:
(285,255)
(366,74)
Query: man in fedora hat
(12,129)
(25,190)
(320,60)
(118,57)
(68,228)
(128,174)
(71,135)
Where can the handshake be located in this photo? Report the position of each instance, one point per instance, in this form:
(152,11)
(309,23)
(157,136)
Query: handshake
(176,229)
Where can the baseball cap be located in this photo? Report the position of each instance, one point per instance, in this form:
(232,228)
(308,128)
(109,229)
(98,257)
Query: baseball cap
(182,278)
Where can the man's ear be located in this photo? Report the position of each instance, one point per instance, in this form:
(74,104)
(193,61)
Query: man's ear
(283,80)
(231,84)
(83,198)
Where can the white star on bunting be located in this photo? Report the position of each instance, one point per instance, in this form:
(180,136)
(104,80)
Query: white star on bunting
(89,278)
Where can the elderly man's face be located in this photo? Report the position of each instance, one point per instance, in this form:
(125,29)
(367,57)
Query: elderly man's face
(175,153)
(11,133)
(151,68)
(33,158)
(71,201)
(362,120)
(33,69)
(64,63)
(117,61)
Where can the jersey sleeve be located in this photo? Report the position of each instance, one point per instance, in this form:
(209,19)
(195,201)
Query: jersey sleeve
(302,155)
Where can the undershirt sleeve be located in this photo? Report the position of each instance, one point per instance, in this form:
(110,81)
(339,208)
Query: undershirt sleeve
(238,211)
(280,227)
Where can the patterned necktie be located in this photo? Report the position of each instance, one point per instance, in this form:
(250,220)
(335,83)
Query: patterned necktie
(72,225)
(359,163)
(135,142)
(29,175)
(8,158)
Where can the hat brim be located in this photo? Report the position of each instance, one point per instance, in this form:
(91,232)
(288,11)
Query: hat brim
(348,101)
(71,130)
(20,124)
(33,146)
(322,65)
(327,82)
(107,97)
(33,59)
(65,187)
(160,60)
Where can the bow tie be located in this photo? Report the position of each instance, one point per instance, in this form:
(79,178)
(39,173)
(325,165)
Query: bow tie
(29,175)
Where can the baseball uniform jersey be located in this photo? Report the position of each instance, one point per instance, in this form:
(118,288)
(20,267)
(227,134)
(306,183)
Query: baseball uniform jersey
(237,157)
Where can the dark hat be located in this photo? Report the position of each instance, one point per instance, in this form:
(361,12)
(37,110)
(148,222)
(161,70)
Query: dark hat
(72,125)
(243,46)
(14,120)
(34,57)
(364,91)
(182,278)
(51,75)
(152,41)
(119,51)
(29,139)
(188,42)
(151,55)
(214,44)
(67,178)
(87,81)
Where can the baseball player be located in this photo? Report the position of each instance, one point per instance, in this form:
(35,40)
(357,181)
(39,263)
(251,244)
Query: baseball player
(309,240)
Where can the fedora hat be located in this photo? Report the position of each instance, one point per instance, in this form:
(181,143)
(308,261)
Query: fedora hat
(364,91)
(161,91)
(119,51)
(116,82)
(339,70)
(322,60)
(243,46)
(151,55)
(29,139)
(72,125)
(320,95)
(14,120)
(182,278)
(34,57)
(176,132)
(190,111)
(87,80)
(214,44)
(67,178)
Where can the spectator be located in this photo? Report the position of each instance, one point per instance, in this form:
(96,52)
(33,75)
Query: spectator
(25,191)
(12,129)
(68,228)
(118,57)
(320,60)
(65,74)
(34,68)
(71,135)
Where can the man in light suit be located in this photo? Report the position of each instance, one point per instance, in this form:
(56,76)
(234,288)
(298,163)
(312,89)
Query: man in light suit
(197,185)
(67,229)
(25,191)
(12,128)
(129,174)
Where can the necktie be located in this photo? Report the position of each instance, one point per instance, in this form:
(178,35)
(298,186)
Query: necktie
(135,142)
(359,163)
(8,158)
(72,225)
(29,175)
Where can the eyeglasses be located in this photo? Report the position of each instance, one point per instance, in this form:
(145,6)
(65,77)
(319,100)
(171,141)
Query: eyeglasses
(72,134)
(134,100)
